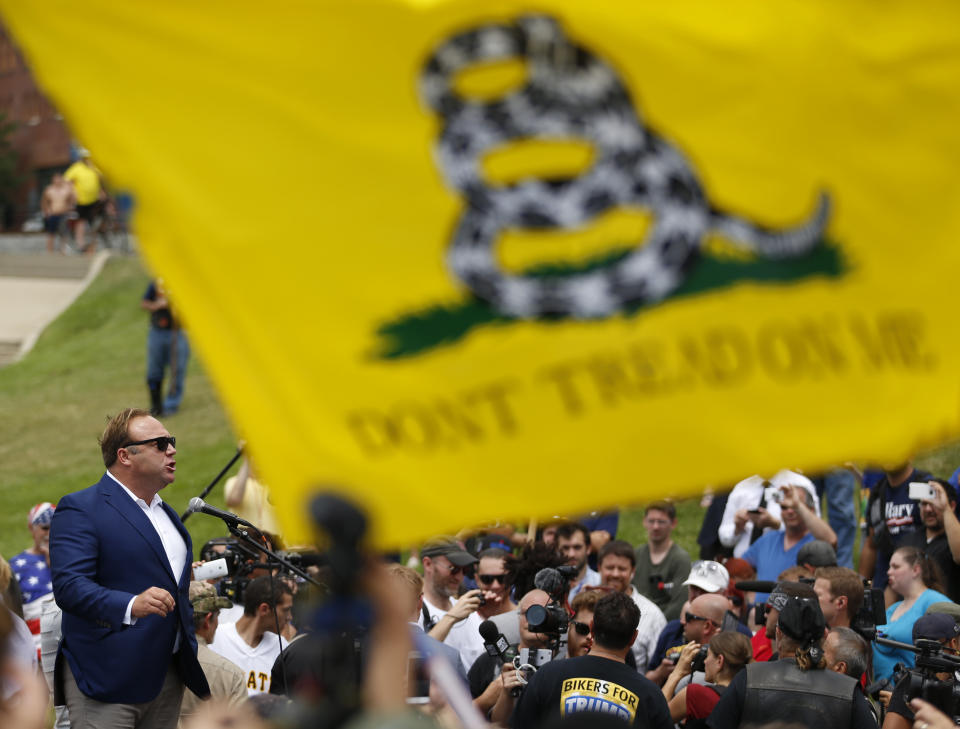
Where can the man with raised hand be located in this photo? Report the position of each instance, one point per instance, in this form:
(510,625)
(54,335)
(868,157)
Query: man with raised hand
(120,560)
(445,617)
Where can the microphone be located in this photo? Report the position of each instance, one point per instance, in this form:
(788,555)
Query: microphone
(198,504)
(493,640)
(551,581)
(496,644)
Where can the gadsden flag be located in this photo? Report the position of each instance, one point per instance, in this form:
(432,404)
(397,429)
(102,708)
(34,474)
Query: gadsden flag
(466,260)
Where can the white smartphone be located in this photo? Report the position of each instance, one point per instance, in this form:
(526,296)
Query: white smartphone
(922,491)
(211,570)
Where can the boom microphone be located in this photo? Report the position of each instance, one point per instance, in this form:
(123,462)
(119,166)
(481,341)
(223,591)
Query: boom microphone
(550,581)
(198,504)
(756,585)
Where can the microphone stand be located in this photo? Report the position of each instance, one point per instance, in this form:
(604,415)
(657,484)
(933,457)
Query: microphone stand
(216,480)
(241,532)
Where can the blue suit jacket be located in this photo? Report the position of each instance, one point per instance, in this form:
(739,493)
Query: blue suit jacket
(103,552)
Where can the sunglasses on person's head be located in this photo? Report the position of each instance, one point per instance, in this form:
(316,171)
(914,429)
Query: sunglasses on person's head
(490,579)
(162,442)
(581,628)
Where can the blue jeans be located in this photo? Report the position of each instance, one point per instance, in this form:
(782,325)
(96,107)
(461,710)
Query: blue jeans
(159,342)
(839,486)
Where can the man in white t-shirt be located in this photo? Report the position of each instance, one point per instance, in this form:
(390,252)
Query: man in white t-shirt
(455,622)
(251,642)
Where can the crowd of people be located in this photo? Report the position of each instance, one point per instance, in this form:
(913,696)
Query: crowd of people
(564,623)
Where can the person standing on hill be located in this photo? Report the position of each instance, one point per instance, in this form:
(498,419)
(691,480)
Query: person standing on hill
(167,346)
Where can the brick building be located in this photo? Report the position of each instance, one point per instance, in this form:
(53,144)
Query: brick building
(40,137)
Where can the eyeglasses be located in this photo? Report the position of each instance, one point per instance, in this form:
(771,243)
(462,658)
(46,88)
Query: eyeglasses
(162,442)
(690,617)
(450,567)
(581,628)
(490,579)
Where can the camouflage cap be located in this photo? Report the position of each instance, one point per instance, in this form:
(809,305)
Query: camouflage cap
(204,598)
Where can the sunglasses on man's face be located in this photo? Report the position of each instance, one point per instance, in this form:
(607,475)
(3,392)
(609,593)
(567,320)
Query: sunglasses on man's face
(490,579)
(581,628)
(162,442)
(690,617)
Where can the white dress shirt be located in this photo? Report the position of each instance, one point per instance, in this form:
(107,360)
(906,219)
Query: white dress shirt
(173,544)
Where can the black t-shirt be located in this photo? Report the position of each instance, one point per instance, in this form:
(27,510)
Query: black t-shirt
(939,551)
(726,714)
(590,683)
(483,671)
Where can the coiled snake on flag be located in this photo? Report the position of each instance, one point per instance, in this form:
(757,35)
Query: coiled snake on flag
(570,93)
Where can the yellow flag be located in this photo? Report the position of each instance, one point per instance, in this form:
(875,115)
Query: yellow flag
(469,260)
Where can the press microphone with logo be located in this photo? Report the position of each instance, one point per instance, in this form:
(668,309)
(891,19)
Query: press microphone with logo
(496,645)
(198,504)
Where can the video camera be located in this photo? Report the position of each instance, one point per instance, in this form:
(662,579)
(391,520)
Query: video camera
(242,560)
(922,680)
(871,613)
(552,619)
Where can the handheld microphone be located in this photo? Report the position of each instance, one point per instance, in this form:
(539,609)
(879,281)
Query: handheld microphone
(198,504)
(496,644)
(493,640)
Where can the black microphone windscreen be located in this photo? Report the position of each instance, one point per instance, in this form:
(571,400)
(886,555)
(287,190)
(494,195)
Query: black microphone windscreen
(755,585)
(489,631)
(549,580)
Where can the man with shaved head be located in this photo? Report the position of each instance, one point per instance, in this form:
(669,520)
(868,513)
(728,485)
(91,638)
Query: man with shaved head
(704,619)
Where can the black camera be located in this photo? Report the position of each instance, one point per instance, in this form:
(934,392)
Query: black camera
(700,660)
(923,683)
(871,613)
(550,620)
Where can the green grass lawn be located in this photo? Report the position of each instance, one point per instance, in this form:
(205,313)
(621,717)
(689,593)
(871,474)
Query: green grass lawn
(86,366)
(90,363)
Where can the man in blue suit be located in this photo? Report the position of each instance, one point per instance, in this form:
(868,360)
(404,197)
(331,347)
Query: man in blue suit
(121,564)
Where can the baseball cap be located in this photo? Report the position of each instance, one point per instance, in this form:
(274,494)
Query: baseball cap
(41,514)
(801,619)
(204,598)
(448,547)
(817,553)
(947,608)
(708,575)
(936,626)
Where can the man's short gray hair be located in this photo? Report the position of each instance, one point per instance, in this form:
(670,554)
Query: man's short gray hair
(852,650)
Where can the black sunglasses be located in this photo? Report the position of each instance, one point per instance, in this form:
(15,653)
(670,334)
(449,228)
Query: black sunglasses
(690,617)
(490,579)
(581,628)
(162,442)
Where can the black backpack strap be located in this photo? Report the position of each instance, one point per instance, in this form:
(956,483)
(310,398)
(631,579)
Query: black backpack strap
(429,622)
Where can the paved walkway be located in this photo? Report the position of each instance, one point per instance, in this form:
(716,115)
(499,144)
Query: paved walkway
(35,288)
